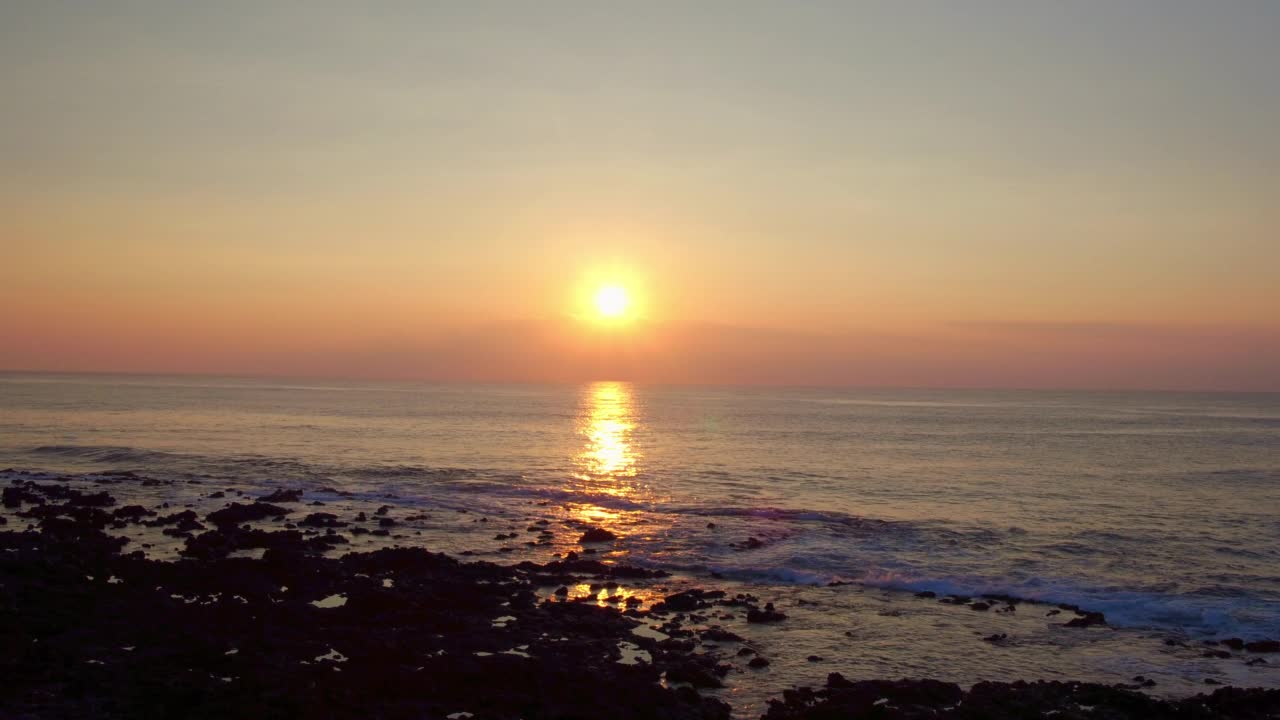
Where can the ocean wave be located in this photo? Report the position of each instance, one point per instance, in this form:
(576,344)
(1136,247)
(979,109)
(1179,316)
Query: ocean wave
(1193,613)
(102,453)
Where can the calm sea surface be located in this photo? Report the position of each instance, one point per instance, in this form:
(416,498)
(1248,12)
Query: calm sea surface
(1160,509)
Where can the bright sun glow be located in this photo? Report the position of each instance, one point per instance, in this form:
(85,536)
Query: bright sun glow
(612,301)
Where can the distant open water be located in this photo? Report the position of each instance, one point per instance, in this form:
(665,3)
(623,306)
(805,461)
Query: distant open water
(1160,509)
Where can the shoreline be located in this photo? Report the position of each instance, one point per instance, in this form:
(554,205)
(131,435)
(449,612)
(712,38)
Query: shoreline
(99,629)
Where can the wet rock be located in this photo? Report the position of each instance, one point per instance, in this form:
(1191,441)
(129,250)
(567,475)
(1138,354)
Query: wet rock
(14,495)
(1088,619)
(1220,654)
(132,512)
(283,496)
(1234,643)
(758,662)
(814,658)
(386,522)
(694,674)
(979,606)
(322,520)
(184,521)
(719,634)
(927,594)
(768,615)
(682,602)
(237,513)
(597,535)
(1263,646)
(1000,637)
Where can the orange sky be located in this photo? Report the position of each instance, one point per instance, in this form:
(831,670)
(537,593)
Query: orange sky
(1071,197)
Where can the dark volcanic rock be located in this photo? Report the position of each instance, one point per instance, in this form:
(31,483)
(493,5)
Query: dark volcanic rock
(1088,619)
(767,615)
(237,513)
(595,535)
(185,521)
(683,601)
(283,496)
(697,672)
(322,520)
(719,634)
(132,512)
(209,637)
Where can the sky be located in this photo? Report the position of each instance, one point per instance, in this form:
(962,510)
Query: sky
(907,193)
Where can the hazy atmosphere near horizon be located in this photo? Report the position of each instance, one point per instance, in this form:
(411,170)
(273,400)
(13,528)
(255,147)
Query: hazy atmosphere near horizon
(989,194)
(705,360)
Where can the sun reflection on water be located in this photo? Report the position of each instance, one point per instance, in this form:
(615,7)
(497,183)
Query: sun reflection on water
(606,422)
(607,463)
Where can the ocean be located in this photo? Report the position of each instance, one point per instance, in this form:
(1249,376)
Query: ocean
(1161,510)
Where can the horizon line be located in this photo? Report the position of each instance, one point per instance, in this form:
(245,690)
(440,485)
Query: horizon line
(640,383)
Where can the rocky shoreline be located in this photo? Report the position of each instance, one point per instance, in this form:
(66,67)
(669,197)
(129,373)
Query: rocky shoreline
(91,627)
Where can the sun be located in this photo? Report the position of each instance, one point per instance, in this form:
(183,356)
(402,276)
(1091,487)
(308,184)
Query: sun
(612,301)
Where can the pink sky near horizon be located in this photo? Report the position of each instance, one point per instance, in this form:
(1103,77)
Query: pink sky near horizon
(1014,195)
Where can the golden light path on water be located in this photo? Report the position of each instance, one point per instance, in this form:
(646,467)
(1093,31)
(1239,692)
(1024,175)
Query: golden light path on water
(606,422)
(609,463)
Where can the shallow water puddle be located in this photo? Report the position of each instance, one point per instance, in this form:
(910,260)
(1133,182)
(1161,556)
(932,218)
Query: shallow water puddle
(632,654)
(332,655)
(648,632)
